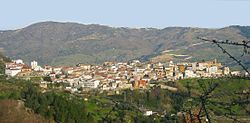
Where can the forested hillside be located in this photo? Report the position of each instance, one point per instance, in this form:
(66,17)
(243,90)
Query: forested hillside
(70,43)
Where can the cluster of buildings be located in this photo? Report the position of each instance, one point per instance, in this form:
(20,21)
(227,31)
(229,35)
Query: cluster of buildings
(15,67)
(117,75)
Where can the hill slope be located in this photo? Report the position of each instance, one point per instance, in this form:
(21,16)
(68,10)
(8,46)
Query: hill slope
(13,111)
(70,43)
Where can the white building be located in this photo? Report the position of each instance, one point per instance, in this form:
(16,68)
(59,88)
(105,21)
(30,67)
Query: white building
(202,66)
(236,73)
(86,77)
(12,71)
(38,68)
(57,70)
(194,66)
(148,113)
(189,74)
(213,69)
(226,71)
(171,64)
(33,64)
(91,83)
(84,66)
(139,70)
(18,61)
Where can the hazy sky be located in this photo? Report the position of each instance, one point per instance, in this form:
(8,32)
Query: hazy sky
(129,13)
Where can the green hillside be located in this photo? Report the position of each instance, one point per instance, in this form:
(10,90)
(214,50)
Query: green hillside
(60,106)
(70,43)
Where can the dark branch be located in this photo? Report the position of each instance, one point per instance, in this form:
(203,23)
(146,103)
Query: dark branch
(244,44)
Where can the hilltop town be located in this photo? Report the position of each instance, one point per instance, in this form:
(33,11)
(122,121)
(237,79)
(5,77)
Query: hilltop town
(116,76)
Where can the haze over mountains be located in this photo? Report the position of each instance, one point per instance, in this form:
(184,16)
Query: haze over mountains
(71,43)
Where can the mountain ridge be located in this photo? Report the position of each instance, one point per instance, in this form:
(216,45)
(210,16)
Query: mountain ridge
(69,43)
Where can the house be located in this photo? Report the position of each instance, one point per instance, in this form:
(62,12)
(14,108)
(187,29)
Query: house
(47,69)
(202,66)
(226,71)
(26,68)
(14,67)
(148,113)
(236,73)
(212,69)
(105,87)
(114,85)
(43,84)
(142,84)
(57,70)
(125,85)
(146,78)
(91,83)
(181,68)
(18,61)
(12,71)
(84,66)
(67,70)
(189,74)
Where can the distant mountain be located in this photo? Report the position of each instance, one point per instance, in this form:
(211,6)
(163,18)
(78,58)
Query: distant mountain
(70,43)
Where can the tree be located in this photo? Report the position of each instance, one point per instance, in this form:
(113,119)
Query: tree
(47,78)
(199,109)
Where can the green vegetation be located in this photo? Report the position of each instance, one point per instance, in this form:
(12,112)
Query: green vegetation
(14,111)
(66,108)
(70,43)
(3,59)
(73,59)
(62,108)
(229,98)
(155,99)
(10,88)
(128,106)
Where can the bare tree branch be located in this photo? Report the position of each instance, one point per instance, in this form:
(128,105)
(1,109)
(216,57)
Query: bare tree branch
(245,45)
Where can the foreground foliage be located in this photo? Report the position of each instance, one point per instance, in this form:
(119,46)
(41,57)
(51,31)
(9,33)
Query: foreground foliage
(128,106)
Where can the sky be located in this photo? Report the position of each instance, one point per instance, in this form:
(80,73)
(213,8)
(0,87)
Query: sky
(16,14)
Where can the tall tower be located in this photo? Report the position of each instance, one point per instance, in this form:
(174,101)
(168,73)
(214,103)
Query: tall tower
(33,64)
(215,61)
